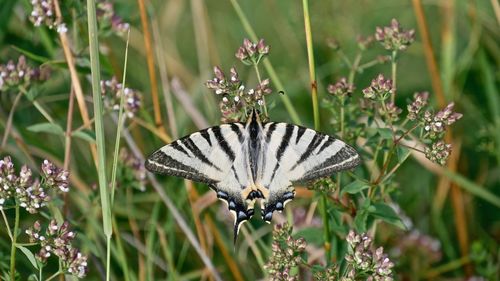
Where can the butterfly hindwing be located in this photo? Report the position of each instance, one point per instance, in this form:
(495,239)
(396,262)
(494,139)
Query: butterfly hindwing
(295,154)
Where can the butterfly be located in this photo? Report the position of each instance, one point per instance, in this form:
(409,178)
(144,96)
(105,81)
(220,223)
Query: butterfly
(243,162)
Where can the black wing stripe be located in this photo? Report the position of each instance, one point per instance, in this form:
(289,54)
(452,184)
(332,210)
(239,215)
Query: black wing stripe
(176,145)
(327,143)
(188,142)
(223,143)
(237,130)
(310,148)
(206,135)
(344,159)
(162,163)
(285,141)
(300,133)
(270,131)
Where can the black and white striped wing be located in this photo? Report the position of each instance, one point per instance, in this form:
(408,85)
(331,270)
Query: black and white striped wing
(294,154)
(215,156)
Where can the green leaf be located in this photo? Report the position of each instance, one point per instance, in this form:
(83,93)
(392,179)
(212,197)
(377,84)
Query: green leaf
(385,133)
(360,221)
(85,135)
(47,128)
(31,55)
(312,235)
(354,187)
(387,214)
(403,153)
(29,255)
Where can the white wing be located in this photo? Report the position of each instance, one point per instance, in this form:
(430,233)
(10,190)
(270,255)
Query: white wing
(216,156)
(294,154)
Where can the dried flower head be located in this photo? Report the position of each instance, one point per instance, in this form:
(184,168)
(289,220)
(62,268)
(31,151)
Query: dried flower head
(393,37)
(365,42)
(379,89)
(223,86)
(20,74)
(438,152)
(251,53)
(55,177)
(235,100)
(341,88)
(418,103)
(286,254)
(31,194)
(434,125)
(57,240)
(111,91)
(366,262)
(44,13)
(108,19)
(390,112)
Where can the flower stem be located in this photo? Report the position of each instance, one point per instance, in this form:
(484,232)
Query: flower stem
(9,232)
(314,95)
(394,70)
(53,276)
(13,246)
(260,81)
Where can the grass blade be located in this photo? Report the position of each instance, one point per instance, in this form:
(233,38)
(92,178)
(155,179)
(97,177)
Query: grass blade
(99,129)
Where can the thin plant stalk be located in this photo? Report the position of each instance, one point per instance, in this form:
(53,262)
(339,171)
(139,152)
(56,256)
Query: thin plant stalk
(167,94)
(8,126)
(260,81)
(119,127)
(312,66)
(269,67)
(75,82)
(314,95)
(151,64)
(99,130)
(394,66)
(13,245)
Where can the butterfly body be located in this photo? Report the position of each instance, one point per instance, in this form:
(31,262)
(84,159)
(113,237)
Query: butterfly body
(243,162)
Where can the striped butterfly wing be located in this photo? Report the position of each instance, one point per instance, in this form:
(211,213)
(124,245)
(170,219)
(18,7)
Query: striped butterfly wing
(294,154)
(215,156)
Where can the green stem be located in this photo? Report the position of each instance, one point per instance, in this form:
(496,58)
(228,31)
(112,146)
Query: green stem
(269,67)
(13,246)
(119,128)
(8,125)
(54,275)
(314,96)
(326,227)
(260,81)
(43,111)
(99,130)
(9,232)
(312,67)
(394,70)
(354,68)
